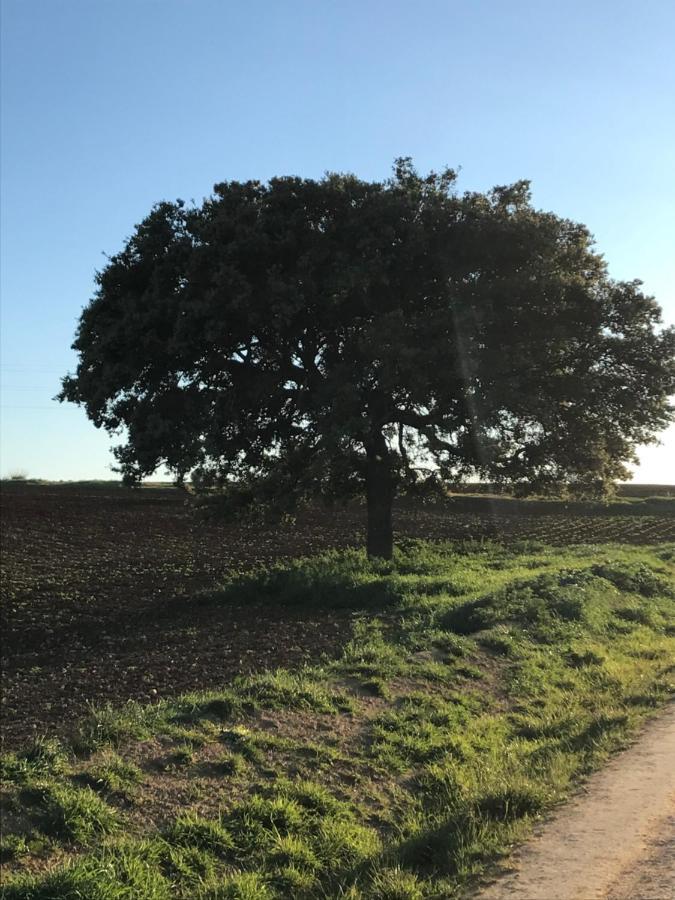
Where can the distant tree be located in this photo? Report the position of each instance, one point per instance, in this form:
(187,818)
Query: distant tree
(332,336)
(18,475)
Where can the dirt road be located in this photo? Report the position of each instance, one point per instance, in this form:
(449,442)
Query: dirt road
(614,841)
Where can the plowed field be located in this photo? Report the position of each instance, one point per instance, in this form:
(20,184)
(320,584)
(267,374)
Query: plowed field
(99,585)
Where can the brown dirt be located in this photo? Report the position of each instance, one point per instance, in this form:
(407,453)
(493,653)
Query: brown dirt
(614,841)
(99,583)
(652,877)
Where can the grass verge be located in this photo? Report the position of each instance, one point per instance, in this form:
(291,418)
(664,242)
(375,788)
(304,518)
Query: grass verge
(480,684)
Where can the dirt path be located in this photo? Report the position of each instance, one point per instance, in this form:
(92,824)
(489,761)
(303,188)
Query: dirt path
(614,841)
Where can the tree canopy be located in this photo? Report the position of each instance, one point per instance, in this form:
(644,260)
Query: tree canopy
(335,335)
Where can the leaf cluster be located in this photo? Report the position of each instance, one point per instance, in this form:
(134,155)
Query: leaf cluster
(270,335)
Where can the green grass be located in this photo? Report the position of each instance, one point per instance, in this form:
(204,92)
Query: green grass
(74,815)
(479,685)
(109,774)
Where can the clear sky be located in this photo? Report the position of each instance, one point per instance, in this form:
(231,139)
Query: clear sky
(111,105)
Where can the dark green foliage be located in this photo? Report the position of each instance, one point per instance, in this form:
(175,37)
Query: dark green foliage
(637,579)
(635,614)
(545,602)
(348,578)
(579,660)
(218,708)
(511,803)
(318,337)
(330,580)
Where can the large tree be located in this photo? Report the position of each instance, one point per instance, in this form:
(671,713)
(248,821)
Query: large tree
(330,335)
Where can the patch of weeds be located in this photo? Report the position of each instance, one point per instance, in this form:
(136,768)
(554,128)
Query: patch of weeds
(45,756)
(532,727)
(648,653)
(453,644)
(314,798)
(231,764)
(580,659)
(419,730)
(369,655)
(656,696)
(500,641)
(214,706)
(601,727)
(69,813)
(191,736)
(283,689)
(537,604)
(192,830)
(105,725)
(42,758)
(183,755)
(110,774)
(442,784)
(293,882)
(336,579)
(117,873)
(636,615)
(343,844)
(239,886)
(395,884)
(282,814)
(12,846)
(242,742)
(432,670)
(320,753)
(638,578)
(292,850)
(188,865)
(439,843)
(511,802)
(473,673)
(375,687)
(267,741)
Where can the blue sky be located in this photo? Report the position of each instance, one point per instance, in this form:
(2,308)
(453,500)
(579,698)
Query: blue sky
(111,105)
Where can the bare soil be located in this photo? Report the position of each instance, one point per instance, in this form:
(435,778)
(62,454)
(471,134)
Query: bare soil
(99,587)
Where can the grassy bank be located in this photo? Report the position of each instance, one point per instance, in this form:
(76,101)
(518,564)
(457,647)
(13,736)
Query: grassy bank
(479,685)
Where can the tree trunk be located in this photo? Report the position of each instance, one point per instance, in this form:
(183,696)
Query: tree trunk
(380,496)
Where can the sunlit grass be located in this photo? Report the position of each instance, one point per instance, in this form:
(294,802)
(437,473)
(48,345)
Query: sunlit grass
(479,685)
